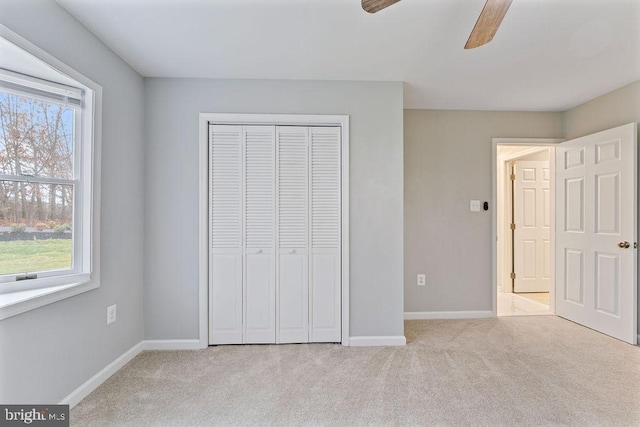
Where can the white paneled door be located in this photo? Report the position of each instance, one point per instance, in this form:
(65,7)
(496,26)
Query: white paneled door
(596,231)
(531,243)
(275,202)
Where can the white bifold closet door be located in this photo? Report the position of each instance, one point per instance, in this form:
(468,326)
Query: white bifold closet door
(276,234)
(326,214)
(293,236)
(259,235)
(226,224)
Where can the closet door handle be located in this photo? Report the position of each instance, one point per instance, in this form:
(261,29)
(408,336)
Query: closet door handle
(292,251)
(259,251)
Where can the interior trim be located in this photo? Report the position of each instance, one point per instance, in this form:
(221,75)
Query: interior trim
(278,120)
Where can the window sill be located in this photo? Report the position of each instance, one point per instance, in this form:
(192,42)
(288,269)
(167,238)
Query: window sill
(17,302)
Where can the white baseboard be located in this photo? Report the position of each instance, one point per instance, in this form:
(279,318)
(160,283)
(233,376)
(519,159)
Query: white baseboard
(92,383)
(172,344)
(447,315)
(377,341)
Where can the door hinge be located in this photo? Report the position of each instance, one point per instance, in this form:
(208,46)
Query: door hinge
(512,226)
(512,177)
(513,275)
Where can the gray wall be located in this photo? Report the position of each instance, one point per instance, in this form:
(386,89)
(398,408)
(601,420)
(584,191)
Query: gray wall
(171,199)
(447,162)
(613,109)
(616,108)
(48,352)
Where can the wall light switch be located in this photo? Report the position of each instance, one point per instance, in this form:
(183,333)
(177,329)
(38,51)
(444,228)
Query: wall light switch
(111,314)
(422,279)
(474,205)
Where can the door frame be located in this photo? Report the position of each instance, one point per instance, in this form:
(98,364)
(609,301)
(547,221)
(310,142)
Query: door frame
(203,177)
(495,142)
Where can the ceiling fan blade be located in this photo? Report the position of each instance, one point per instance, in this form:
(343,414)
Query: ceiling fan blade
(488,22)
(372,6)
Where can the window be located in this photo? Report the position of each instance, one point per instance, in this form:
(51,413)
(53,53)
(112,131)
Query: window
(46,182)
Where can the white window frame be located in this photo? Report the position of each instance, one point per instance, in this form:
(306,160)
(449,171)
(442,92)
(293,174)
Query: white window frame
(20,296)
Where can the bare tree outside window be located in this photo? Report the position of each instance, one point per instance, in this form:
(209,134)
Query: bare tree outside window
(36,202)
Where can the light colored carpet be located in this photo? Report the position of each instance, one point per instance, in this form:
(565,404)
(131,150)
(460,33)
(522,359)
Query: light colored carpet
(539,370)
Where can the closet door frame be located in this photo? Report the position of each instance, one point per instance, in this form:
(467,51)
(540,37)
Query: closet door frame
(207,119)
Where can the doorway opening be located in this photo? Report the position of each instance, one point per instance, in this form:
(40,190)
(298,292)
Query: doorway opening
(593,229)
(524,217)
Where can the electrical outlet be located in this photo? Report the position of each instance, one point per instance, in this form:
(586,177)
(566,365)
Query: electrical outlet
(111,314)
(422,279)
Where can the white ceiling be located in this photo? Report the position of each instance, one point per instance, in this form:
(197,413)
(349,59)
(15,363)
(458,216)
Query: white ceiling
(548,55)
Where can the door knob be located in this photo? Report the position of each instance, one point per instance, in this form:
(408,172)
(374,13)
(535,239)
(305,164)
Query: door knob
(292,251)
(259,251)
(623,245)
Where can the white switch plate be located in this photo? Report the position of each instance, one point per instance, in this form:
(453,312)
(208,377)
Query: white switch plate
(111,314)
(422,279)
(474,205)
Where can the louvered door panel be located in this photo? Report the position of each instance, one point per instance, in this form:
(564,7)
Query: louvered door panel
(225,204)
(293,251)
(226,219)
(293,153)
(325,187)
(275,234)
(259,187)
(325,234)
(259,235)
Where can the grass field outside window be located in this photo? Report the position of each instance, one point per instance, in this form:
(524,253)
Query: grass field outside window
(23,256)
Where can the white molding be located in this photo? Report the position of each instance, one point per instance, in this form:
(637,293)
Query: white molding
(526,141)
(394,340)
(203,241)
(274,119)
(193,344)
(422,315)
(52,289)
(277,120)
(344,124)
(76,396)
(14,303)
